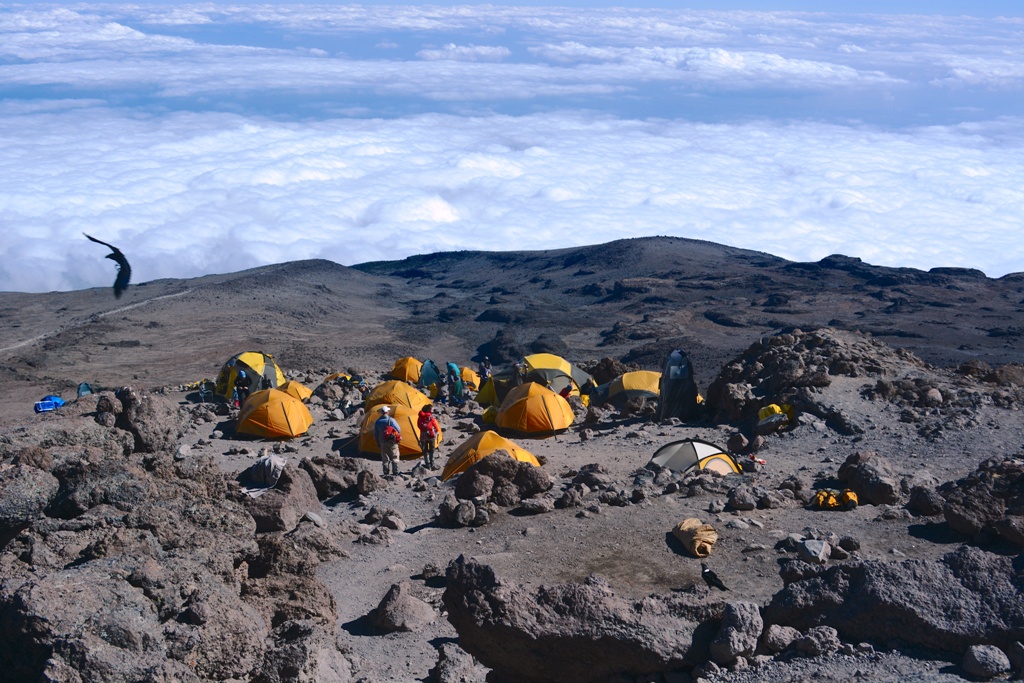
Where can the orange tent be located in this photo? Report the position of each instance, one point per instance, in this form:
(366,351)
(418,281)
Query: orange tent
(273,414)
(478,447)
(409,446)
(407,369)
(394,391)
(534,409)
(296,389)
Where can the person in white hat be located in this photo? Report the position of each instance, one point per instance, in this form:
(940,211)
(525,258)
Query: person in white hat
(388,435)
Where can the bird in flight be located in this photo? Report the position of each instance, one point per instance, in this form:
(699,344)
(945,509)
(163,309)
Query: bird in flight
(711,578)
(124,271)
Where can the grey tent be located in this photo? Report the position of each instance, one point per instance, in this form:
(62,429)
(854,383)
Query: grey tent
(687,454)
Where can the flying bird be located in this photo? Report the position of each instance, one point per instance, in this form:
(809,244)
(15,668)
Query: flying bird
(711,578)
(124,271)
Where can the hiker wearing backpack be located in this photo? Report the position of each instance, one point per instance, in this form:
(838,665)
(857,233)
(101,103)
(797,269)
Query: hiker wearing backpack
(429,429)
(388,435)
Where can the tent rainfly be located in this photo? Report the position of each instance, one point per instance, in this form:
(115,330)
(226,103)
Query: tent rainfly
(395,392)
(273,414)
(406,370)
(534,409)
(296,389)
(478,447)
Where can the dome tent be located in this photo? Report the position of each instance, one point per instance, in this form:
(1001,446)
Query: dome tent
(406,369)
(273,414)
(534,409)
(478,447)
(687,454)
(395,392)
(296,389)
(636,384)
(258,365)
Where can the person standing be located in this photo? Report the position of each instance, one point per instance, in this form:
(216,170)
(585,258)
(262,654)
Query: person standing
(243,384)
(388,435)
(485,370)
(429,430)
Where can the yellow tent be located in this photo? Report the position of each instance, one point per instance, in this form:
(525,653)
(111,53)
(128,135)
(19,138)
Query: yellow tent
(260,367)
(638,384)
(273,414)
(534,409)
(546,363)
(409,446)
(394,391)
(296,389)
(478,447)
(470,378)
(406,369)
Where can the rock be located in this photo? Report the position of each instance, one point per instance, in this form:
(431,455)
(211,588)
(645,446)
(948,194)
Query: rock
(25,491)
(302,652)
(368,481)
(455,665)
(818,641)
(925,501)
(473,483)
(34,456)
(281,507)
(777,638)
(814,551)
(741,627)
(531,481)
(1016,654)
(974,504)
(537,506)
(401,611)
(575,633)
(741,498)
(985,661)
(464,514)
(154,421)
(871,477)
(571,498)
(737,443)
(948,605)
(333,475)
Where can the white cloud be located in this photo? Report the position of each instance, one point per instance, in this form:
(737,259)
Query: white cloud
(190,194)
(211,138)
(465,53)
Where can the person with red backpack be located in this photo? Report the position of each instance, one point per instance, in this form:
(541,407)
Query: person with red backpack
(429,431)
(388,435)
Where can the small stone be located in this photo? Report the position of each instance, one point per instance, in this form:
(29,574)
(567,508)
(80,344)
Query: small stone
(315,518)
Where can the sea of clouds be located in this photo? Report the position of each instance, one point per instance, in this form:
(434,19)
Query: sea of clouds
(212,138)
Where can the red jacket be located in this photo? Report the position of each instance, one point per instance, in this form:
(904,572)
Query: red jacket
(428,424)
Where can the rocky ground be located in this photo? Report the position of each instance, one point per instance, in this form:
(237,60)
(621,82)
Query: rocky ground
(128,500)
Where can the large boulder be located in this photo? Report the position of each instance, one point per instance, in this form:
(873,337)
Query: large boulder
(154,421)
(24,493)
(333,475)
(501,479)
(303,652)
(741,628)
(281,507)
(969,597)
(871,477)
(400,610)
(988,501)
(574,633)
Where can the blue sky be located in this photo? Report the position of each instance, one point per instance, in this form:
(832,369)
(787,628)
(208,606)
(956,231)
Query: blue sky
(213,137)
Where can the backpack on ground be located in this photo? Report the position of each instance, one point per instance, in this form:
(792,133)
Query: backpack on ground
(834,499)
